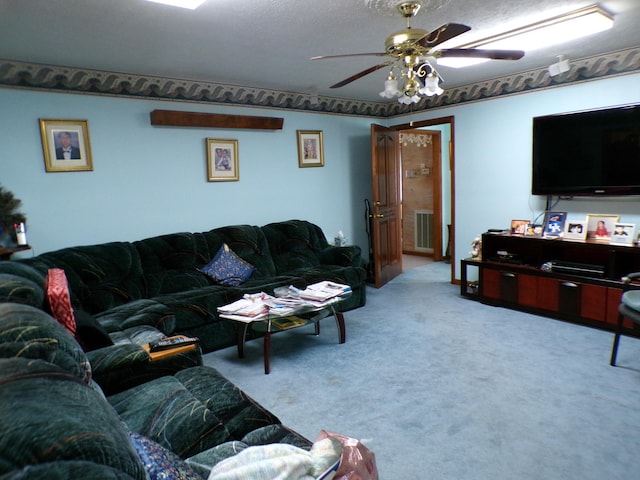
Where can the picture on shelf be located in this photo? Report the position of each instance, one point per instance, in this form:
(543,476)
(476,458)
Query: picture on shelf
(600,227)
(623,233)
(519,227)
(575,230)
(554,224)
(533,230)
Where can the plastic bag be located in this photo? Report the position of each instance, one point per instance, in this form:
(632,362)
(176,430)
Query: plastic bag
(357,461)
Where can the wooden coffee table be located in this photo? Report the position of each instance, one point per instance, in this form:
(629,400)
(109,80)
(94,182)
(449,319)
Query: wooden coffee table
(277,323)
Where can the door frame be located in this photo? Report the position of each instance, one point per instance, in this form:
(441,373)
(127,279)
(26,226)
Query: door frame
(429,123)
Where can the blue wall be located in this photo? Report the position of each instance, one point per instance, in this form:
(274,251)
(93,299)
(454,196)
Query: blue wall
(151,180)
(493,157)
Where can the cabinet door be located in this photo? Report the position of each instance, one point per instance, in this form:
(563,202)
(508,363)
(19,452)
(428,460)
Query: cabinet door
(499,285)
(528,290)
(548,294)
(490,283)
(594,302)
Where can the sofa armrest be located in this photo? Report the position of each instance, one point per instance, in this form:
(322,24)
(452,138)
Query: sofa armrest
(349,256)
(107,359)
(124,366)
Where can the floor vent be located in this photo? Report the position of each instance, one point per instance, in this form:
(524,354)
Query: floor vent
(424,231)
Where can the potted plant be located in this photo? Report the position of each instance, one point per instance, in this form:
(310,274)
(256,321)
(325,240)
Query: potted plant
(9,216)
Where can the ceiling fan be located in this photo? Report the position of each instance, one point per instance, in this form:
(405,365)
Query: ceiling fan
(411,52)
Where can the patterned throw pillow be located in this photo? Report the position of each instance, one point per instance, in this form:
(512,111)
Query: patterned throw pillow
(59,299)
(160,463)
(227,268)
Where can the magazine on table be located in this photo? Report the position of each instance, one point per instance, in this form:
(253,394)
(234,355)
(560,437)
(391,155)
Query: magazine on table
(257,306)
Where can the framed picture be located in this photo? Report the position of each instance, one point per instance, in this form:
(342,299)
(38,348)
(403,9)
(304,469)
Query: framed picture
(310,148)
(519,227)
(600,227)
(623,233)
(65,144)
(533,230)
(554,224)
(575,230)
(222,160)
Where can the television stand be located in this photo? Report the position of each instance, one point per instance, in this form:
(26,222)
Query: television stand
(582,285)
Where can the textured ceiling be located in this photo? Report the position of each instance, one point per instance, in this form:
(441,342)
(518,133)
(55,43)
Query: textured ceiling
(268,43)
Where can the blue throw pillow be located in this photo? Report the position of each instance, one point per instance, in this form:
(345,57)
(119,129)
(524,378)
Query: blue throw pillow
(227,268)
(160,463)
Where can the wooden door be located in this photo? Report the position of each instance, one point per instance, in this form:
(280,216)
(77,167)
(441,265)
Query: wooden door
(386,209)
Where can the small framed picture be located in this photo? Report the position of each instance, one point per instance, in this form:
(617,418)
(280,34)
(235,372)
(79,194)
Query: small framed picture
(222,160)
(554,224)
(623,233)
(65,144)
(600,227)
(533,230)
(519,227)
(310,148)
(575,230)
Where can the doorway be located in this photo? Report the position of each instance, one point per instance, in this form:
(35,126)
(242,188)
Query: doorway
(386,214)
(435,216)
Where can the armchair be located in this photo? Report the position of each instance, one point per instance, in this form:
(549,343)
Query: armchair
(629,309)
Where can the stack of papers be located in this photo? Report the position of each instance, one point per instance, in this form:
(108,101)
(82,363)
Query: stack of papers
(261,305)
(323,291)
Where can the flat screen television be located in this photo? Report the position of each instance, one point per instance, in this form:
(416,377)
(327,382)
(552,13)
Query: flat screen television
(587,153)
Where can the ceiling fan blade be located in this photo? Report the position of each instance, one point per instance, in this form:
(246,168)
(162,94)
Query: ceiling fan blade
(442,34)
(377,54)
(479,53)
(360,75)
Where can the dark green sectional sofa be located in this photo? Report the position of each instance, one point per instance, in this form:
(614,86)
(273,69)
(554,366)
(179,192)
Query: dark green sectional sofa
(57,423)
(157,282)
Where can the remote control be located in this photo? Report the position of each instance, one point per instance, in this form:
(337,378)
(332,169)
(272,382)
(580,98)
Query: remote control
(171,342)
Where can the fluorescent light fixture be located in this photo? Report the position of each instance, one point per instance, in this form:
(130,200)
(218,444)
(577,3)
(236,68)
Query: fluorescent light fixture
(190,4)
(553,31)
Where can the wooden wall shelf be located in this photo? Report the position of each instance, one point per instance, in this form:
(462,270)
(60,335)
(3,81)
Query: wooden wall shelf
(214,120)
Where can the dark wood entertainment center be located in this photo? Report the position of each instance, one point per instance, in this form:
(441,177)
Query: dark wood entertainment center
(514,279)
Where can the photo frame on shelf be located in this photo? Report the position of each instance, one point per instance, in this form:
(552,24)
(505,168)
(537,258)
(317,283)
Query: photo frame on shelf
(575,230)
(623,233)
(222,160)
(310,148)
(553,226)
(533,230)
(600,227)
(65,145)
(519,227)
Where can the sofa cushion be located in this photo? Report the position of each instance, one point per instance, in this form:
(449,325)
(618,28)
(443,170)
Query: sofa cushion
(17,289)
(31,333)
(170,263)
(100,276)
(168,413)
(227,268)
(59,299)
(48,415)
(191,411)
(294,244)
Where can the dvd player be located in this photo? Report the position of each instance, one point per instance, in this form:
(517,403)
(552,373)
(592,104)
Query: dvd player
(575,268)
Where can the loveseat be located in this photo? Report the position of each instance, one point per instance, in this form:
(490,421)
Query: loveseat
(56,422)
(158,283)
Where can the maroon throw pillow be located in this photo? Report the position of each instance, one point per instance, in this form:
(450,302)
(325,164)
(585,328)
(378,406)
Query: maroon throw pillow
(59,299)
